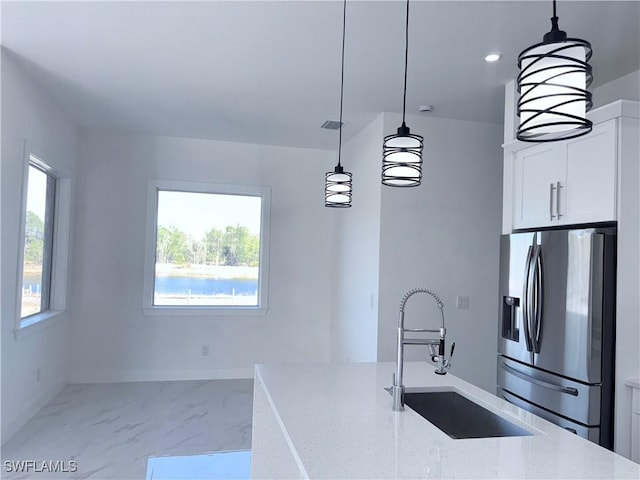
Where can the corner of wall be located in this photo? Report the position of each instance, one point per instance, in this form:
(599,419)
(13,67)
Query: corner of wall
(35,117)
(356,244)
(29,411)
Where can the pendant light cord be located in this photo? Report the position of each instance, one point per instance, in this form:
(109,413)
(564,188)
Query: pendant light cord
(344,23)
(406,62)
(554,19)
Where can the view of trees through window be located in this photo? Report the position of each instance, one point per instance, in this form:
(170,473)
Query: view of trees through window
(232,246)
(207,249)
(36,268)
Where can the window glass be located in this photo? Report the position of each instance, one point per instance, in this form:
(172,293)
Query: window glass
(38,240)
(207,249)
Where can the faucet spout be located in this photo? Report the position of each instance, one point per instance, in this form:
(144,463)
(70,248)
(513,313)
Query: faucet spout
(397,389)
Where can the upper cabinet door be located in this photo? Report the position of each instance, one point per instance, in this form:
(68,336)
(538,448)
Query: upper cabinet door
(566,183)
(535,178)
(588,193)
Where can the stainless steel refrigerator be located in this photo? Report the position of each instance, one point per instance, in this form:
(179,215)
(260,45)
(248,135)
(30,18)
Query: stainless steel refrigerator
(556,339)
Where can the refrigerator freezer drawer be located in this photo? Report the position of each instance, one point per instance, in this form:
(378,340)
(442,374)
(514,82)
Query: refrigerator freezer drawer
(567,398)
(590,433)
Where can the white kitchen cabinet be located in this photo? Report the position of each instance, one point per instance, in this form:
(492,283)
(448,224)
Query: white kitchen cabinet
(568,182)
(634,384)
(588,193)
(535,175)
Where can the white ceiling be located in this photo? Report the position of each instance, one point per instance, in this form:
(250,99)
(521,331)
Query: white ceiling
(269,72)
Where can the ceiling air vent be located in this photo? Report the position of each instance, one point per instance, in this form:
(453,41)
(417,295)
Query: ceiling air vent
(331,125)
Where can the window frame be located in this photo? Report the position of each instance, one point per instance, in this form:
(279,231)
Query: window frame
(148,306)
(60,196)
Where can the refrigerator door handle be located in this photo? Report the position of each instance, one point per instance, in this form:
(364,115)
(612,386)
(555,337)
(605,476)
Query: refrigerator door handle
(526,304)
(538,297)
(551,386)
(532,295)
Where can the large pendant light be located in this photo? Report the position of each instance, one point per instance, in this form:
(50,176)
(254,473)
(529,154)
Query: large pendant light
(402,151)
(338,188)
(553,81)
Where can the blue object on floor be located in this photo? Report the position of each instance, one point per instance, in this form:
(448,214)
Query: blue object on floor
(210,466)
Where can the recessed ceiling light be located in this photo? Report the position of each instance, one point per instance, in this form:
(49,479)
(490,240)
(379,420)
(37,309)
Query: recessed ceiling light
(492,57)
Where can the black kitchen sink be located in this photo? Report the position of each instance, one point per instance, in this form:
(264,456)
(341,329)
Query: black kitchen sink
(459,417)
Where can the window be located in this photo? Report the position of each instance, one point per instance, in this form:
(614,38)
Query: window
(38,242)
(208,252)
(44,239)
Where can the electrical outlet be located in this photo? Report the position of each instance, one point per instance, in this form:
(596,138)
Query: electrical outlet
(462,302)
(204,350)
(38,373)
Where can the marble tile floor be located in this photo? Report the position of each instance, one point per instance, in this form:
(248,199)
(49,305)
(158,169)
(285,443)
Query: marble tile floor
(112,430)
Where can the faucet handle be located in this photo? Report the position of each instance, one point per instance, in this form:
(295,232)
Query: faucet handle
(432,353)
(443,363)
(447,362)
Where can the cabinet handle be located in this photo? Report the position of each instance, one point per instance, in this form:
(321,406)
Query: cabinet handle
(558,187)
(552,187)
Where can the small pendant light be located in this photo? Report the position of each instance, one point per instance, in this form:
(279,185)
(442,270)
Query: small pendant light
(338,189)
(553,81)
(402,152)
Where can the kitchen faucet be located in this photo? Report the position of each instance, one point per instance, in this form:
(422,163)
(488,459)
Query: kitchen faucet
(397,390)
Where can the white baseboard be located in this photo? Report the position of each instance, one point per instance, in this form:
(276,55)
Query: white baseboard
(13,425)
(115,376)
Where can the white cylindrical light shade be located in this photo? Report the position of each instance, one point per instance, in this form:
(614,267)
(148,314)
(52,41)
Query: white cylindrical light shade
(553,85)
(338,189)
(401,169)
(402,160)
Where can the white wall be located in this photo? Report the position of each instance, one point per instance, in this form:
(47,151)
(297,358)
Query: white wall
(114,341)
(625,88)
(27,115)
(445,235)
(356,243)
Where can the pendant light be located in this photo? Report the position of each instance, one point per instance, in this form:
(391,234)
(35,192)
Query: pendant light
(402,152)
(338,189)
(553,81)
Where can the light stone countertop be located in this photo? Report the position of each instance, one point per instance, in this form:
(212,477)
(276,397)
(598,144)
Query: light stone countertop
(338,423)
